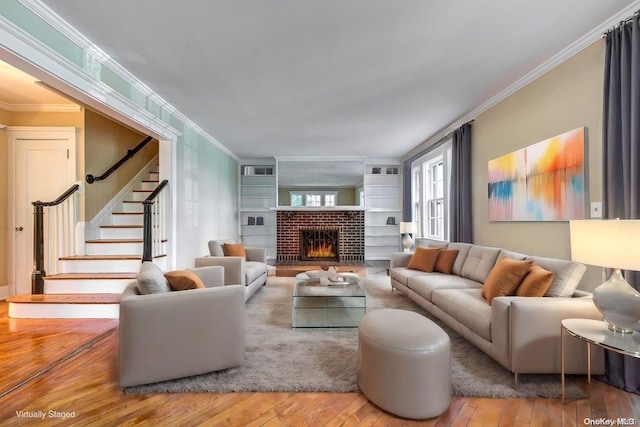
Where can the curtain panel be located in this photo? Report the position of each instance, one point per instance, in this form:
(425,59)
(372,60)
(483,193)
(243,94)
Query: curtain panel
(461,226)
(621,160)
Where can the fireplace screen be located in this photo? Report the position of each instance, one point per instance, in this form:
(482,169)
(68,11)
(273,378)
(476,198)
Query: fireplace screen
(318,244)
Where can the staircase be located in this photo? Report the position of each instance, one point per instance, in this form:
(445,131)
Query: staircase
(89,286)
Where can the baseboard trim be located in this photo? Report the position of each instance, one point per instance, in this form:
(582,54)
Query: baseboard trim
(4,292)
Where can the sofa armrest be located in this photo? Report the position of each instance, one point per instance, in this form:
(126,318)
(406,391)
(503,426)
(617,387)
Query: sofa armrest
(400,259)
(233,267)
(256,254)
(532,326)
(211,276)
(210,323)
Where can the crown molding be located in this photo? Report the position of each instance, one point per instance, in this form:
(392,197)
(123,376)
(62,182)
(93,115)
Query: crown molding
(41,108)
(583,42)
(44,63)
(53,19)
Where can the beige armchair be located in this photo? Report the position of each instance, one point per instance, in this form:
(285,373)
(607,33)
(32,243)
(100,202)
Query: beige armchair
(250,272)
(171,335)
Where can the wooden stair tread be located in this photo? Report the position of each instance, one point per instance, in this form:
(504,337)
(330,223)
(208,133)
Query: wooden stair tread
(65,299)
(114,241)
(127,213)
(88,276)
(99,257)
(150,180)
(120,226)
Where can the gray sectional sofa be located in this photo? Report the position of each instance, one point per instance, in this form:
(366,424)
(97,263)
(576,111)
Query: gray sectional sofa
(521,333)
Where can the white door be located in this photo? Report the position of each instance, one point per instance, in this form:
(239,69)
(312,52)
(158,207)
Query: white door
(44,167)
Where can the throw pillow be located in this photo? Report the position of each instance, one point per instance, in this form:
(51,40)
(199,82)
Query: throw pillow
(183,280)
(504,278)
(445,261)
(234,249)
(424,259)
(151,279)
(536,282)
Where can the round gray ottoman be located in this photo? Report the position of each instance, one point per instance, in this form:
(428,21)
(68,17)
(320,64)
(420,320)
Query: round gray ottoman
(404,364)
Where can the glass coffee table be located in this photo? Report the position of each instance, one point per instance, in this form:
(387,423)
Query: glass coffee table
(322,302)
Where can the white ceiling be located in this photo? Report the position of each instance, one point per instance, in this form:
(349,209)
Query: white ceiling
(329,77)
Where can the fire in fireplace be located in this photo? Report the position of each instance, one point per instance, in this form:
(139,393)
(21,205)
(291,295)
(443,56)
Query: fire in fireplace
(319,244)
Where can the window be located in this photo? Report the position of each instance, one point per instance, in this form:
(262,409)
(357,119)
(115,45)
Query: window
(430,191)
(313,198)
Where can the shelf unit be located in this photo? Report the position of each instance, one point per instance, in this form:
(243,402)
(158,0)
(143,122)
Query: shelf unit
(383,200)
(257,196)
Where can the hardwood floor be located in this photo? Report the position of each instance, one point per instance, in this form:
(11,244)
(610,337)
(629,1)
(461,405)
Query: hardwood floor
(67,370)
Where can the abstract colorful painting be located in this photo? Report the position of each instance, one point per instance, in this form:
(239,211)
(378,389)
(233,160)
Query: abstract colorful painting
(541,182)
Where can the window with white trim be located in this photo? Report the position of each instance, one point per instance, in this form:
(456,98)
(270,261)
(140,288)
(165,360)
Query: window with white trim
(313,198)
(430,192)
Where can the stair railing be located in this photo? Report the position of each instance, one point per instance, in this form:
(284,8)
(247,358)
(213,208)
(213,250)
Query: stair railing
(153,235)
(130,153)
(54,235)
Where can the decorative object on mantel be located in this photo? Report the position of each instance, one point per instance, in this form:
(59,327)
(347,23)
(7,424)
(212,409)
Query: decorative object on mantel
(260,220)
(611,244)
(391,220)
(541,182)
(407,229)
(251,221)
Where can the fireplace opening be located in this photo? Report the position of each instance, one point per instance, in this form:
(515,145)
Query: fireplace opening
(316,244)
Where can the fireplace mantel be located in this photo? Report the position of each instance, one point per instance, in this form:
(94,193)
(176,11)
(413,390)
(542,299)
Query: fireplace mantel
(320,208)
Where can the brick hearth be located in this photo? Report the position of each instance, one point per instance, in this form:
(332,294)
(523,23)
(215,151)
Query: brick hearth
(349,223)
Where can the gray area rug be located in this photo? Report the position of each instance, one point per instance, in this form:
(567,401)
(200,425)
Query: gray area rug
(279,358)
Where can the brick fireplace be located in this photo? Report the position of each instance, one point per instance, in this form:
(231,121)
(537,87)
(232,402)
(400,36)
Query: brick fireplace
(346,225)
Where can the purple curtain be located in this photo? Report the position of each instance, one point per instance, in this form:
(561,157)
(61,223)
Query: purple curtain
(621,160)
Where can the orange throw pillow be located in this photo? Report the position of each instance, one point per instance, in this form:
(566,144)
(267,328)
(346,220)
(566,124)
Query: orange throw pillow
(183,280)
(445,261)
(536,282)
(424,259)
(504,278)
(234,249)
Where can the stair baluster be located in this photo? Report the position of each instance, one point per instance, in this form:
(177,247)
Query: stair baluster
(153,222)
(60,234)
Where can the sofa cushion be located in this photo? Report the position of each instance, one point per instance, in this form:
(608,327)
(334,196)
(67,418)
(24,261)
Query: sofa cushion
(504,278)
(215,247)
(183,280)
(253,270)
(463,251)
(234,249)
(424,259)
(151,279)
(445,261)
(511,254)
(479,262)
(426,283)
(567,275)
(535,283)
(402,274)
(466,306)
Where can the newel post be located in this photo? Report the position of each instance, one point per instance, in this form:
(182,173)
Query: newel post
(37,281)
(147,237)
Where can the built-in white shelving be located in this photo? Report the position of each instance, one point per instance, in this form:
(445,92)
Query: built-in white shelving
(258,190)
(383,200)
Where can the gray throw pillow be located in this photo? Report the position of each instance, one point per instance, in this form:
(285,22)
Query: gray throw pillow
(151,279)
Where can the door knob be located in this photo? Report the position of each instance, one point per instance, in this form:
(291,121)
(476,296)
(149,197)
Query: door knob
(19,228)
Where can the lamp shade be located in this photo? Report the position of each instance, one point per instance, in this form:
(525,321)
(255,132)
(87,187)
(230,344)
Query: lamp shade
(613,243)
(407,227)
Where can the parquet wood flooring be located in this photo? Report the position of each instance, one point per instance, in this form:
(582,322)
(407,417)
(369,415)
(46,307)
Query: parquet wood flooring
(84,388)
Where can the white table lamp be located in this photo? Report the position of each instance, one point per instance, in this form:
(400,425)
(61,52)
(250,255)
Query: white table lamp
(611,244)
(407,229)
